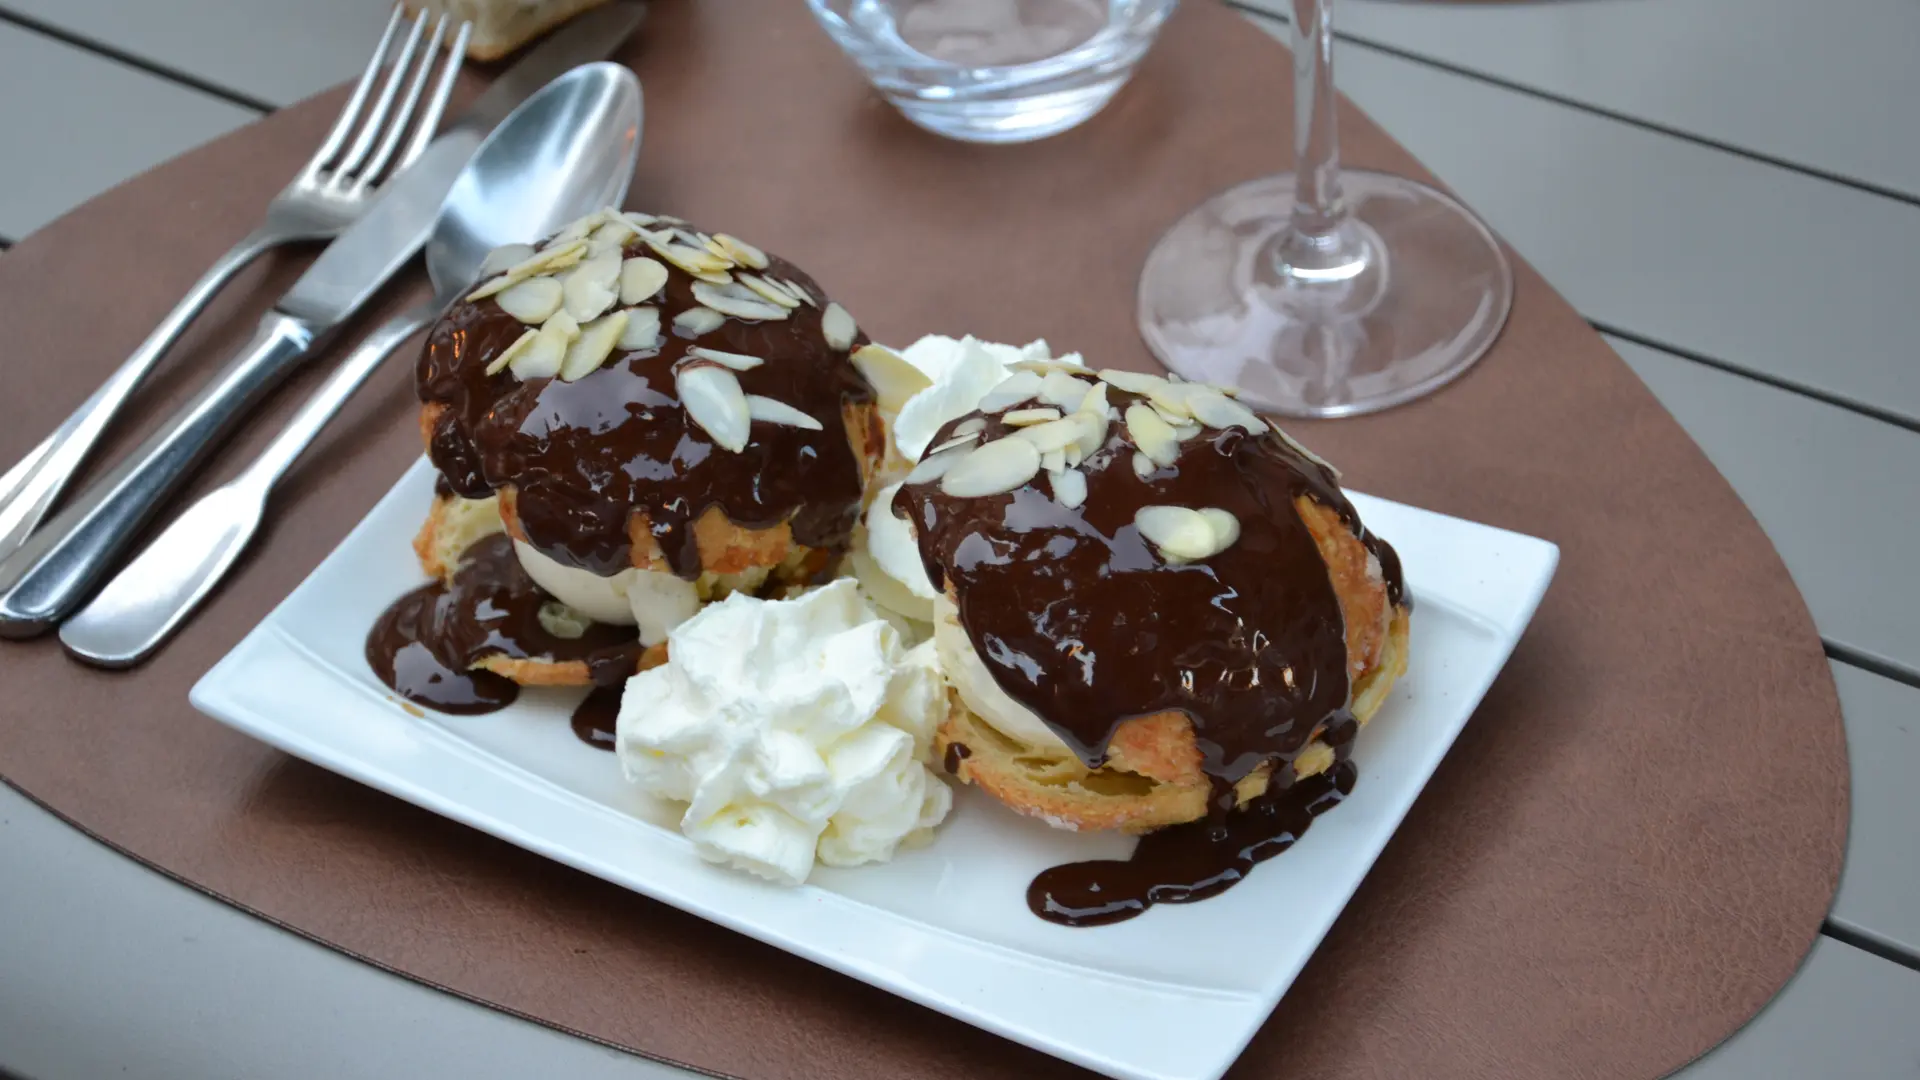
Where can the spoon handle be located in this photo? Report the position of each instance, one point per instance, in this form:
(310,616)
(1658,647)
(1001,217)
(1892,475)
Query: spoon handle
(155,593)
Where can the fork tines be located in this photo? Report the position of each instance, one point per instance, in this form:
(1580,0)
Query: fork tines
(360,151)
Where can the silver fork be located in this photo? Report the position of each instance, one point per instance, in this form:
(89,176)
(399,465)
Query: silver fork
(342,178)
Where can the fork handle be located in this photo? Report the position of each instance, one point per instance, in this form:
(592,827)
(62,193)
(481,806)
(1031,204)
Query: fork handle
(27,493)
(49,576)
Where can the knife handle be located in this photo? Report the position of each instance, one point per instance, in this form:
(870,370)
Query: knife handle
(52,574)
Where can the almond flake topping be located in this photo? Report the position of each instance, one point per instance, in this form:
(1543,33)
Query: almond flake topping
(593,346)
(734,360)
(996,467)
(696,321)
(838,327)
(768,290)
(641,278)
(742,252)
(779,412)
(643,329)
(713,399)
(738,301)
(1069,488)
(1029,417)
(532,300)
(1152,435)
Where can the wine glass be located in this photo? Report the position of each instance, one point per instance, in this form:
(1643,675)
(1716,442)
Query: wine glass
(1323,293)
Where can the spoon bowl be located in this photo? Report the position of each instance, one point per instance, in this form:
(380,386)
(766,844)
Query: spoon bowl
(568,151)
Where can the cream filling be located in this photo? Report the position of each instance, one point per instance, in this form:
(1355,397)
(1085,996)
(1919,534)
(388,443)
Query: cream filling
(969,677)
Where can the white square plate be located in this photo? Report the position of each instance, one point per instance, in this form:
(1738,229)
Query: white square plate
(1166,996)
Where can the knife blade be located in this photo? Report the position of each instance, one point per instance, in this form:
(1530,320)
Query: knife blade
(54,572)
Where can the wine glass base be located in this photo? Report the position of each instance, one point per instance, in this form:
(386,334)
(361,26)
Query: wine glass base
(1425,292)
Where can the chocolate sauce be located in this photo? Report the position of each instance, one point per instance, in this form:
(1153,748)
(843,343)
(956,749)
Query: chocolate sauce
(426,645)
(956,753)
(1184,863)
(1081,621)
(584,456)
(593,720)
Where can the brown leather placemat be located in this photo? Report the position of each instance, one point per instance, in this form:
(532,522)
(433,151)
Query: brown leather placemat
(1625,855)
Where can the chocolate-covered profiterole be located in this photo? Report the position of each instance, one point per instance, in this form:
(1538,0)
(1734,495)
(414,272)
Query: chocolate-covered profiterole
(585,451)
(1090,614)
(428,645)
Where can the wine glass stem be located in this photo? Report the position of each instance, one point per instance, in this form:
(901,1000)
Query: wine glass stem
(1319,244)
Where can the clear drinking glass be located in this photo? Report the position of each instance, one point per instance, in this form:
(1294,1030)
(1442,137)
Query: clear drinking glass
(1324,293)
(995,71)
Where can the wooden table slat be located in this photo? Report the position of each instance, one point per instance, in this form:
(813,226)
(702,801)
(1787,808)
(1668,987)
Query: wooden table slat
(1839,495)
(75,124)
(1801,83)
(271,51)
(1761,268)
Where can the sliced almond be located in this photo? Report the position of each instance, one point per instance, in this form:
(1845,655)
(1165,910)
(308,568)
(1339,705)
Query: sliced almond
(1188,430)
(1016,388)
(1056,434)
(768,291)
(1214,409)
(838,327)
(734,360)
(1181,534)
(1143,465)
(800,292)
(540,262)
(892,378)
(611,236)
(579,228)
(1069,488)
(714,277)
(503,258)
(592,287)
(969,425)
(1074,455)
(639,220)
(779,412)
(1131,381)
(1094,414)
(562,621)
(1152,435)
(934,466)
(1173,419)
(956,442)
(641,279)
(1049,367)
(593,346)
(713,399)
(643,329)
(1053,461)
(692,260)
(736,300)
(1030,417)
(562,326)
(508,354)
(743,253)
(696,321)
(1171,397)
(532,301)
(1226,527)
(1062,390)
(542,356)
(998,466)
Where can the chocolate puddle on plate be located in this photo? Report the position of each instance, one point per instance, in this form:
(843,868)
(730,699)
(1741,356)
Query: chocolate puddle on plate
(425,646)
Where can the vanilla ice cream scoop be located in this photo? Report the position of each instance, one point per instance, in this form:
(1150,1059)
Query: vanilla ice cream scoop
(793,730)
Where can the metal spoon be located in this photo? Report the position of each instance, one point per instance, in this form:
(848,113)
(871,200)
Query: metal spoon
(567,151)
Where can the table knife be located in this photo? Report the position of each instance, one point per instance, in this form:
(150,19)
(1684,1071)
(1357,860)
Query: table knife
(53,573)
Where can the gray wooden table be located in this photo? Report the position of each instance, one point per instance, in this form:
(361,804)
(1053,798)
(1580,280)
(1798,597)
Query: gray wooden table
(1728,189)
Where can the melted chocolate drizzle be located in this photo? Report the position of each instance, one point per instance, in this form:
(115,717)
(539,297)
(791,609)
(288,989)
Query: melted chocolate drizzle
(584,456)
(425,645)
(1079,620)
(1184,863)
(594,718)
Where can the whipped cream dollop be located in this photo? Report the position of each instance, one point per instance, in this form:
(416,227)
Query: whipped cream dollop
(961,373)
(793,730)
